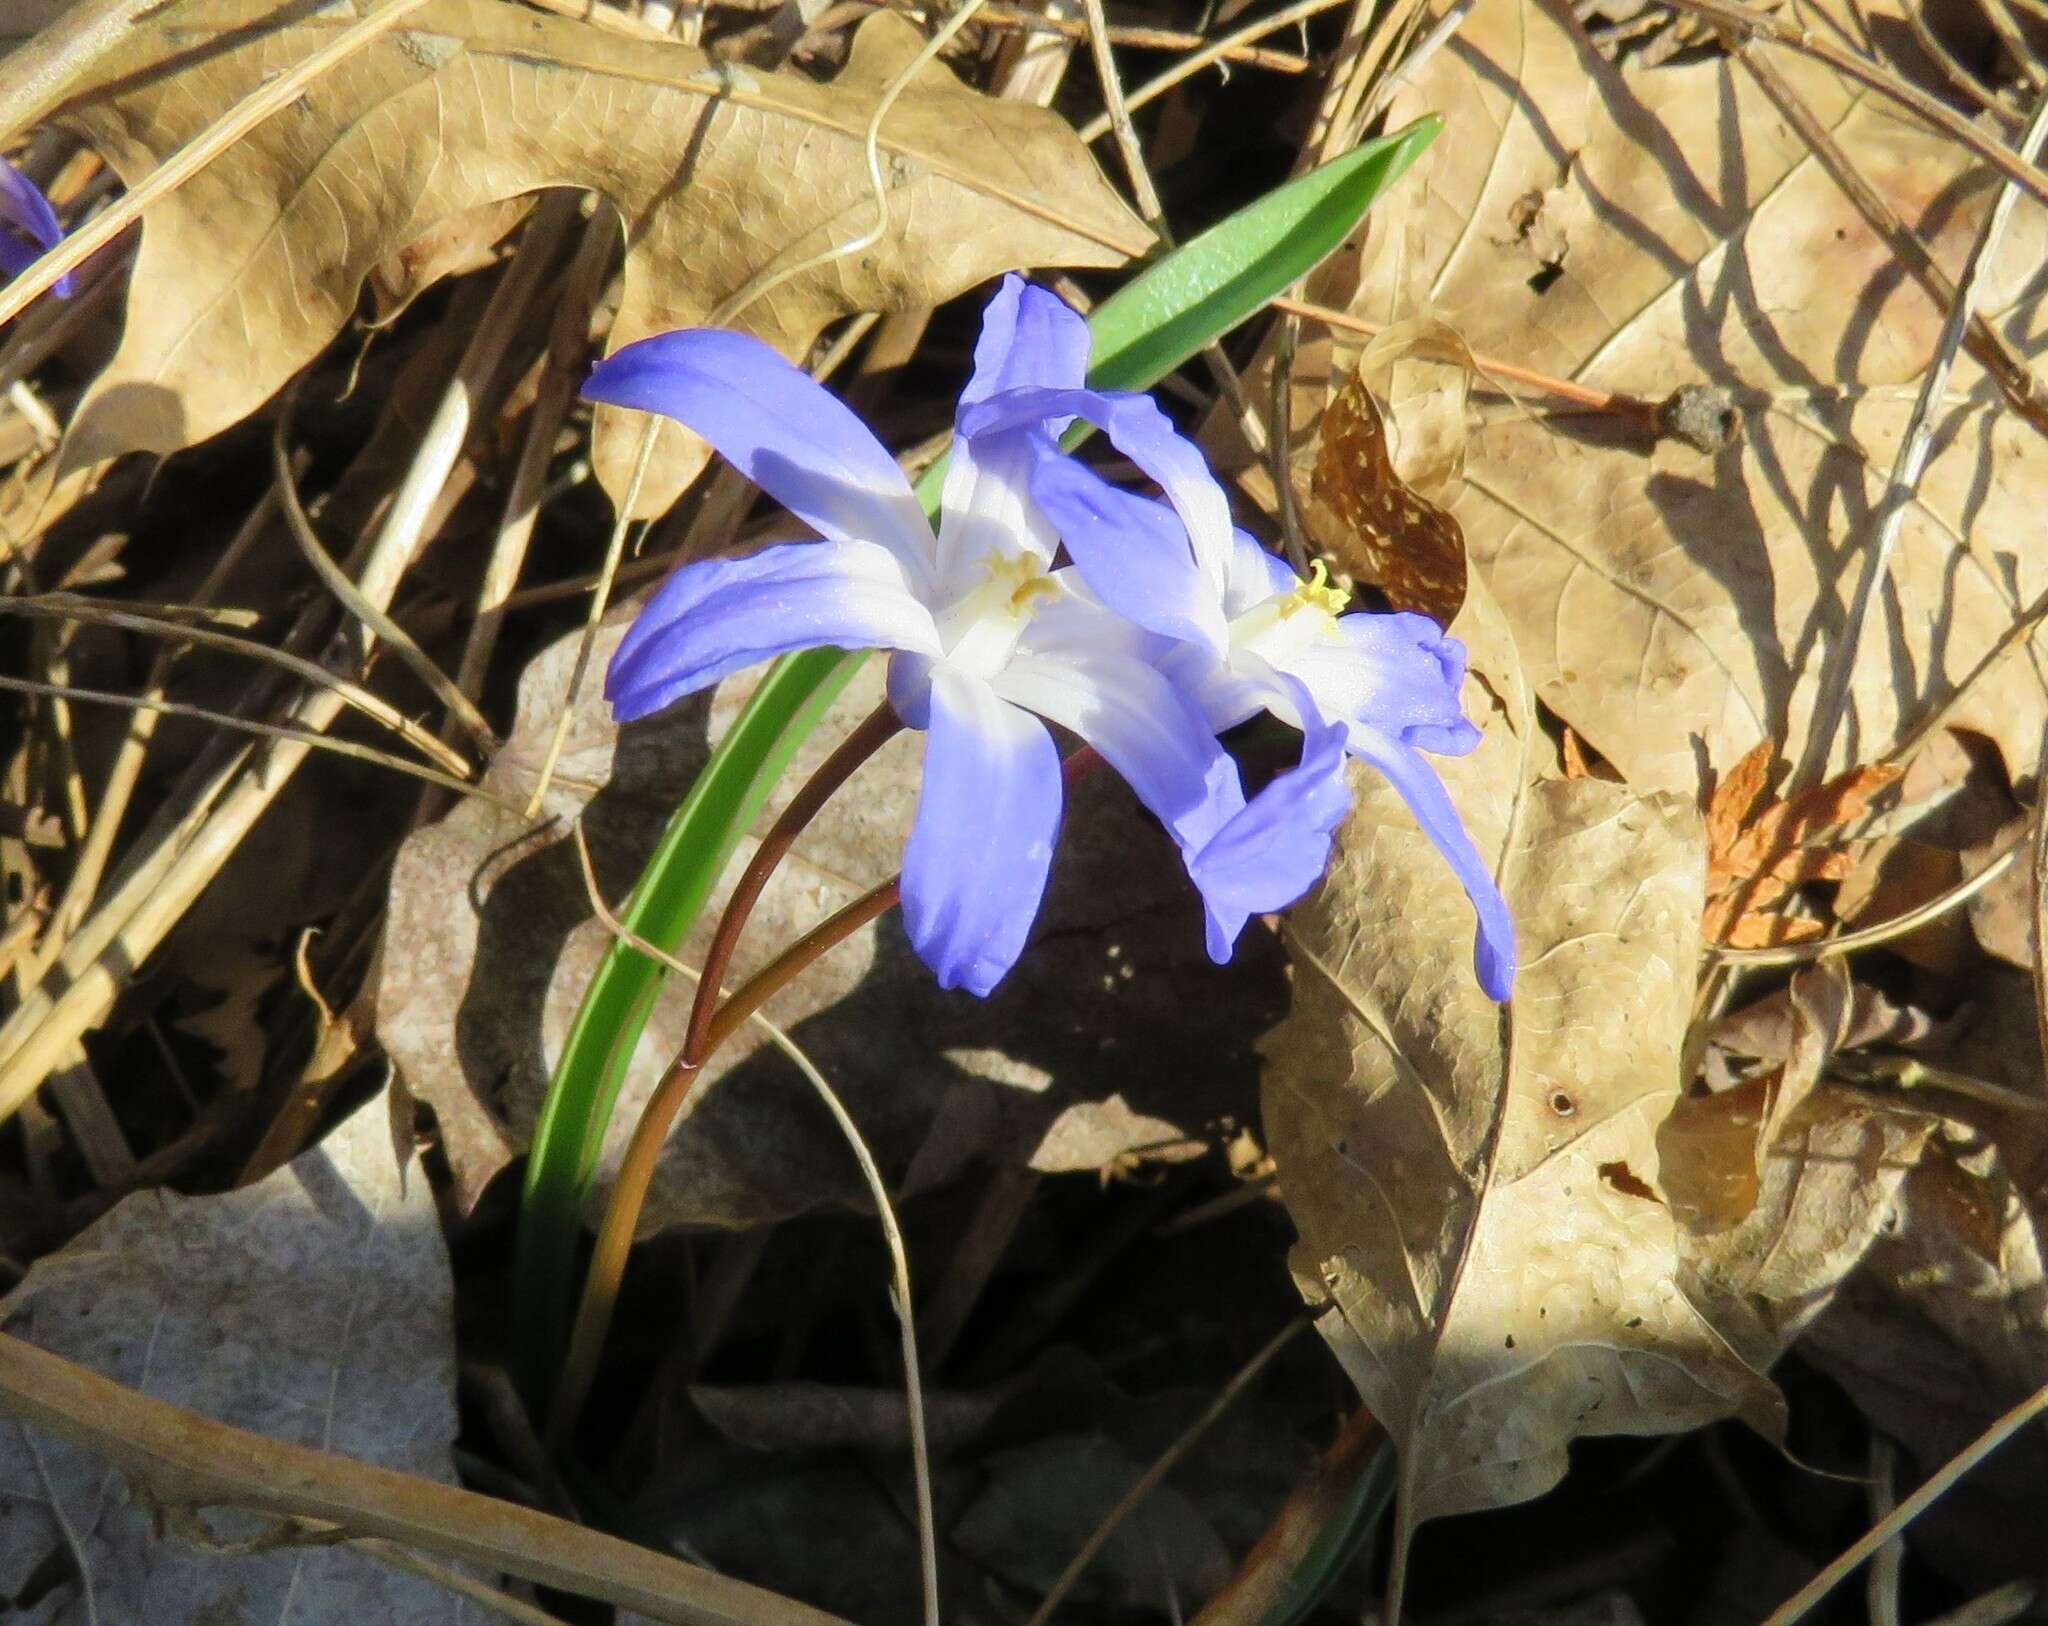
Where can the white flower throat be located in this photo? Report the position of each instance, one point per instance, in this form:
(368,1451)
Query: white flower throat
(980,629)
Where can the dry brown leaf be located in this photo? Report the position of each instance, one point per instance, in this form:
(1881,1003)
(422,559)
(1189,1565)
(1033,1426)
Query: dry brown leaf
(719,172)
(1712,1148)
(1946,1324)
(1475,1187)
(1675,607)
(1759,850)
(1823,1196)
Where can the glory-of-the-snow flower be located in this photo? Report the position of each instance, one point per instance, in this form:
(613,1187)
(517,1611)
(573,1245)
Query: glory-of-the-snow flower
(28,226)
(992,636)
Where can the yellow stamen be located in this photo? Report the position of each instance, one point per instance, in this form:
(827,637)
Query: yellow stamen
(1026,580)
(1315,591)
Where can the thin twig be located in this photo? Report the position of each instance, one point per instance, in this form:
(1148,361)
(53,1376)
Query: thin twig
(1209,55)
(2040,896)
(309,737)
(1984,342)
(1913,453)
(1994,1608)
(34,76)
(445,1575)
(126,771)
(232,789)
(461,710)
(1881,1591)
(276,95)
(1795,1607)
(191,1461)
(1169,1459)
(562,363)
(2020,632)
(1435,40)
(892,1233)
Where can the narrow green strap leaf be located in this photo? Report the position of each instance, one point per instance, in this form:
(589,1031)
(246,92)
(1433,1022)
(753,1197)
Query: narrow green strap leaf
(1151,325)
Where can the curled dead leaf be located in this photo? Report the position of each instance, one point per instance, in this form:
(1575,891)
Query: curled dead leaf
(255,263)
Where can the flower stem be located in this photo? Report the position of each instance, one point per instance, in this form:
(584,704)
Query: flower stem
(709,1029)
(672,1094)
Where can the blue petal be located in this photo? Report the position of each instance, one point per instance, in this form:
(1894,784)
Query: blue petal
(1276,848)
(781,429)
(1401,674)
(1493,953)
(1030,338)
(975,868)
(1143,727)
(1132,552)
(23,207)
(1144,434)
(715,616)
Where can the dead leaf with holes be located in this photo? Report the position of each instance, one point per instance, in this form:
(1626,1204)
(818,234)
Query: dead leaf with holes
(1475,1187)
(1677,606)
(1759,850)
(719,172)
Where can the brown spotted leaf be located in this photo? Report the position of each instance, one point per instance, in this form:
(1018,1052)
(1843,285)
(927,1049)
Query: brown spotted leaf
(1368,520)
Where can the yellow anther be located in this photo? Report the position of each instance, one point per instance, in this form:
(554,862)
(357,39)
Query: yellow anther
(1026,581)
(1315,591)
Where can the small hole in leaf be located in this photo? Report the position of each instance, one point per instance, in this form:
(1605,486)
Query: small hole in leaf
(1562,1104)
(1541,282)
(1626,1181)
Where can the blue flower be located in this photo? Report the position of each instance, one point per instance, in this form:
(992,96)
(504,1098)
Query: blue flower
(26,213)
(991,638)
(1248,635)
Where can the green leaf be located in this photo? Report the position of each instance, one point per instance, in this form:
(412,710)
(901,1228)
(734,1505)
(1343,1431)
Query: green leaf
(1212,282)
(1188,297)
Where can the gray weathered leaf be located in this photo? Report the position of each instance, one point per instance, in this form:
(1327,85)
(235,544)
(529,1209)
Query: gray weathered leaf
(314,1307)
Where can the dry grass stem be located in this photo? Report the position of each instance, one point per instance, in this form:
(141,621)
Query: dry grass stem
(1774,30)
(1208,56)
(189,1461)
(225,797)
(1168,1460)
(1796,1607)
(1914,450)
(62,607)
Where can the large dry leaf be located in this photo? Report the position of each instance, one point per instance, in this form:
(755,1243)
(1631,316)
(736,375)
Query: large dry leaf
(255,263)
(491,942)
(1639,233)
(1475,1187)
(315,1307)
